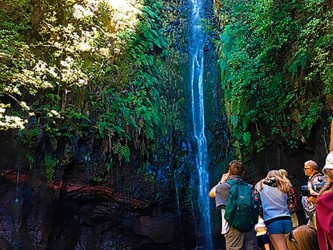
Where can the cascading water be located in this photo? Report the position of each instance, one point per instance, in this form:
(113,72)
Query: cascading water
(197,39)
(177,198)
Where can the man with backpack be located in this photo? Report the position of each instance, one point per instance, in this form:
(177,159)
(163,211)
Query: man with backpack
(239,210)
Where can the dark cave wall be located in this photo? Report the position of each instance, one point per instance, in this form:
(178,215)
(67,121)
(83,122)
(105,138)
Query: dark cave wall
(280,155)
(130,206)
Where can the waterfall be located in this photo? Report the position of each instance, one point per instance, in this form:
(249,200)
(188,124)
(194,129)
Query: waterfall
(177,198)
(197,39)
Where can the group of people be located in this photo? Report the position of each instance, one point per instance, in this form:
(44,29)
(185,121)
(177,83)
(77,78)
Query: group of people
(276,201)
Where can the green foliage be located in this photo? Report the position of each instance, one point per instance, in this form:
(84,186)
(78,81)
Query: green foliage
(144,173)
(49,165)
(93,70)
(30,136)
(122,151)
(172,81)
(88,69)
(276,66)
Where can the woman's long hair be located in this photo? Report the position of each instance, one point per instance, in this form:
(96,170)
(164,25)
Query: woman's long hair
(302,238)
(282,183)
(284,175)
(327,172)
(329,181)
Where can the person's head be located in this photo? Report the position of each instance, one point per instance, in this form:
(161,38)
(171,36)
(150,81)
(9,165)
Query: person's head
(236,167)
(328,168)
(310,168)
(274,174)
(283,173)
(303,237)
(282,183)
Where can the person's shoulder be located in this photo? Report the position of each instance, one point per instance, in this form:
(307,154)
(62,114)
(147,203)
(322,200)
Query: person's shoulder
(250,185)
(222,188)
(224,184)
(235,179)
(258,185)
(328,193)
(318,177)
(239,180)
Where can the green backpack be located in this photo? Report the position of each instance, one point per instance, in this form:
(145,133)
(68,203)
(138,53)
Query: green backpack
(241,211)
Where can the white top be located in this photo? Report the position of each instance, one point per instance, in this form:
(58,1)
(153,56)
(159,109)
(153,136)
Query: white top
(225,224)
(260,227)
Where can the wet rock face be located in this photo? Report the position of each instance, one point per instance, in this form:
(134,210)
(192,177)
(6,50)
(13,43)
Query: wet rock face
(161,229)
(25,215)
(80,216)
(109,225)
(90,206)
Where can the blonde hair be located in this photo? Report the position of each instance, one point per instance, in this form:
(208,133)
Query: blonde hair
(303,237)
(283,184)
(284,175)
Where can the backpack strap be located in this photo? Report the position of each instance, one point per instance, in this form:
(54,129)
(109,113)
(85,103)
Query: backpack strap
(315,175)
(233,181)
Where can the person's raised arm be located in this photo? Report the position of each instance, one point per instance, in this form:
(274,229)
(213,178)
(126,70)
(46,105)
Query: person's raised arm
(212,192)
(224,178)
